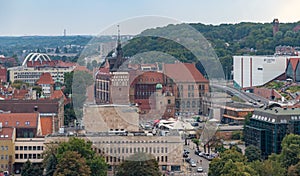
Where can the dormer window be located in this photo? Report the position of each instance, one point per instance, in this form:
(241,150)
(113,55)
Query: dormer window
(27,123)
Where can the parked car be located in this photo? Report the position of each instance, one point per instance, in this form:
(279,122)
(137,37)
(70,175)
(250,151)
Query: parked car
(186,151)
(202,154)
(197,152)
(209,158)
(188,159)
(193,163)
(185,155)
(199,169)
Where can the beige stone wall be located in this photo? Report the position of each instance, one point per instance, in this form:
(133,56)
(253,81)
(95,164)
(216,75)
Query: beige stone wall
(103,118)
(6,154)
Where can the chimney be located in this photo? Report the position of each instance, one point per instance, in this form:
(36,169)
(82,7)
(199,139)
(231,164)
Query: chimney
(35,108)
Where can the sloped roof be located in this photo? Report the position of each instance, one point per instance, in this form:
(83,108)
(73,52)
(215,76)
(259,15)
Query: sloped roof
(20,94)
(46,124)
(183,72)
(6,133)
(28,106)
(57,94)
(18,120)
(45,78)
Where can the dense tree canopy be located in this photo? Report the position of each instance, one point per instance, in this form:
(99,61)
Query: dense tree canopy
(72,164)
(139,164)
(252,153)
(54,157)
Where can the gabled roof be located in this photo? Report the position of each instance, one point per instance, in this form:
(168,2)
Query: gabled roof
(183,72)
(19,120)
(45,78)
(57,94)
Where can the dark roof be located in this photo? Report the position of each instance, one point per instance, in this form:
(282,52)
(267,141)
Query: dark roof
(28,106)
(276,115)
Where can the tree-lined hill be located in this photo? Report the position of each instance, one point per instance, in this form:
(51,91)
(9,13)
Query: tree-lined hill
(226,39)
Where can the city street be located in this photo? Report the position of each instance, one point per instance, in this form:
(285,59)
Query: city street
(200,161)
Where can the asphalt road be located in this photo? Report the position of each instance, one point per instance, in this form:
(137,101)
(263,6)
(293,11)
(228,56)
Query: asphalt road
(200,161)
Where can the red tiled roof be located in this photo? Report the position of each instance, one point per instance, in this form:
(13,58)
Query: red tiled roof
(103,70)
(19,120)
(6,133)
(45,78)
(46,125)
(81,68)
(20,94)
(183,72)
(57,94)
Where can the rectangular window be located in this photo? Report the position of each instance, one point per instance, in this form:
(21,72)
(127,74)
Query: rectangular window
(21,156)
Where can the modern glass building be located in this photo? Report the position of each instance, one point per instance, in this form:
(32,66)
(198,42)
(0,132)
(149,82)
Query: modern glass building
(267,128)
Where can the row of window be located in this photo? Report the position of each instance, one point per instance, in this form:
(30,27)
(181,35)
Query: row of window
(29,147)
(133,150)
(4,147)
(28,156)
(112,159)
(4,166)
(4,157)
(107,142)
(27,123)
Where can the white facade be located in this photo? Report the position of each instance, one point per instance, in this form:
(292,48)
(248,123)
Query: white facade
(249,71)
(31,75)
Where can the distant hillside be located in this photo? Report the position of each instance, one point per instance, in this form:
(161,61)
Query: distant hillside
(226,39)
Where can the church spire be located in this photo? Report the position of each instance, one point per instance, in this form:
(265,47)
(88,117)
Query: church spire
(119,47)
(119,38)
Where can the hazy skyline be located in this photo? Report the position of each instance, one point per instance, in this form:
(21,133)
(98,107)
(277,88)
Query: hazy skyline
(90,17)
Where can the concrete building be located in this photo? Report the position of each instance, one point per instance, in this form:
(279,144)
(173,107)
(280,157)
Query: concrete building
(116,147)
(27,149)
(32,68)
(251,71)
(267,128)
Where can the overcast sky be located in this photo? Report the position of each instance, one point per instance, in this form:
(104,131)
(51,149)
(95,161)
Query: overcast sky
(91,17)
